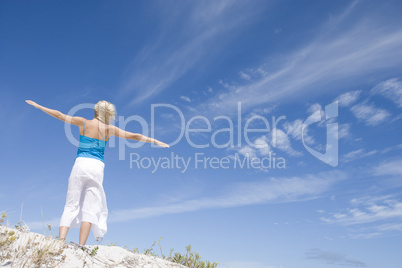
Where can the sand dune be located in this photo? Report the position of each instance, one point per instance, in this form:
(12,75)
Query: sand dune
(28,249)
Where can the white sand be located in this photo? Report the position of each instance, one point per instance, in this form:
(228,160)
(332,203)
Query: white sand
(36,250)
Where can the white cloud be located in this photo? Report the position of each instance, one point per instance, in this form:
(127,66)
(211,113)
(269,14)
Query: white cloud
(261,111)
(260,148)
(391,89)
(368,210)
(245,76)
(344,131)
(185,98)
(390,227)
(357,154)
(348,98)
(377,230)
(368,235)
(336,54)
(280,140)
(370,114)
(391,148)
(189,33)
(294,129)
(333,258)
(396,118)
(315,107)
(249,151)
(268,190)
(262,145)
(393,168)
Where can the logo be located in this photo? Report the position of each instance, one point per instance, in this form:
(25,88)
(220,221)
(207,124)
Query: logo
(330,156)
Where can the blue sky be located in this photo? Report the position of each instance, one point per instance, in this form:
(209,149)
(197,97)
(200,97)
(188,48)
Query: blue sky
(202,60)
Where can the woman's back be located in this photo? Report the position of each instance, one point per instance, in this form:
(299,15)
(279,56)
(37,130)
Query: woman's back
(93,140)
(95,129)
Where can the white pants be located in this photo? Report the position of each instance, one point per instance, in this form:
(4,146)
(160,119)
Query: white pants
(86,199)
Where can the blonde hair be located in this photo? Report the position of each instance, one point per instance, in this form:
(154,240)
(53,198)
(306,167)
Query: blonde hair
(104,110)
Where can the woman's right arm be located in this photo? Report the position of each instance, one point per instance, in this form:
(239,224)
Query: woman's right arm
(115,131)
(74,120)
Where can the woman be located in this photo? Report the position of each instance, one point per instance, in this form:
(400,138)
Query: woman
(86,200)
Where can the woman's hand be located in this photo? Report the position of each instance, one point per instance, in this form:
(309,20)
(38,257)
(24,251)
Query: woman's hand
(161,144)
(34,104)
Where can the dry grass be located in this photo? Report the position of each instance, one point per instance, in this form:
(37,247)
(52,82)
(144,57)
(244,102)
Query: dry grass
(21,248)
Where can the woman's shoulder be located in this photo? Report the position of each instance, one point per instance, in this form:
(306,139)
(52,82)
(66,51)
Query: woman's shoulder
(94,123)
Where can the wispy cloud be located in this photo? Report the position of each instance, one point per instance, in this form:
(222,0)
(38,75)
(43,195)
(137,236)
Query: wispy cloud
(260,147)
(346,99)
(277,139)
(333,258)
(391,89)
(344,131)
(368,210)
(366,235)
(185,98)
(315,107)
(281,141)
(189,32)
(393,168)
(244,75)
(376,231)
(390,227)
(391,148)
(269,190)
(294,129)
(259,112)
(356,154)
(336,54)
(369,114)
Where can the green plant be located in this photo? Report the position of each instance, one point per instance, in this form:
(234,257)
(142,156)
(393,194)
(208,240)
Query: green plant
(149,250)
(111,244)
(163,256)
(12,237)
(191,259)
(9,237)
(94,251)
(3,216)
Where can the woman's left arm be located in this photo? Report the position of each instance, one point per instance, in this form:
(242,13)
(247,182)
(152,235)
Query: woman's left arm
(74,120)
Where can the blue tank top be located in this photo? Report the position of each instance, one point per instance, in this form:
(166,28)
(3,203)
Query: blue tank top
(91,147)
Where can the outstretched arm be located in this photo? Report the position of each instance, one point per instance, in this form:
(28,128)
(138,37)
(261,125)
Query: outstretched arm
(115,131)
(74,120)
